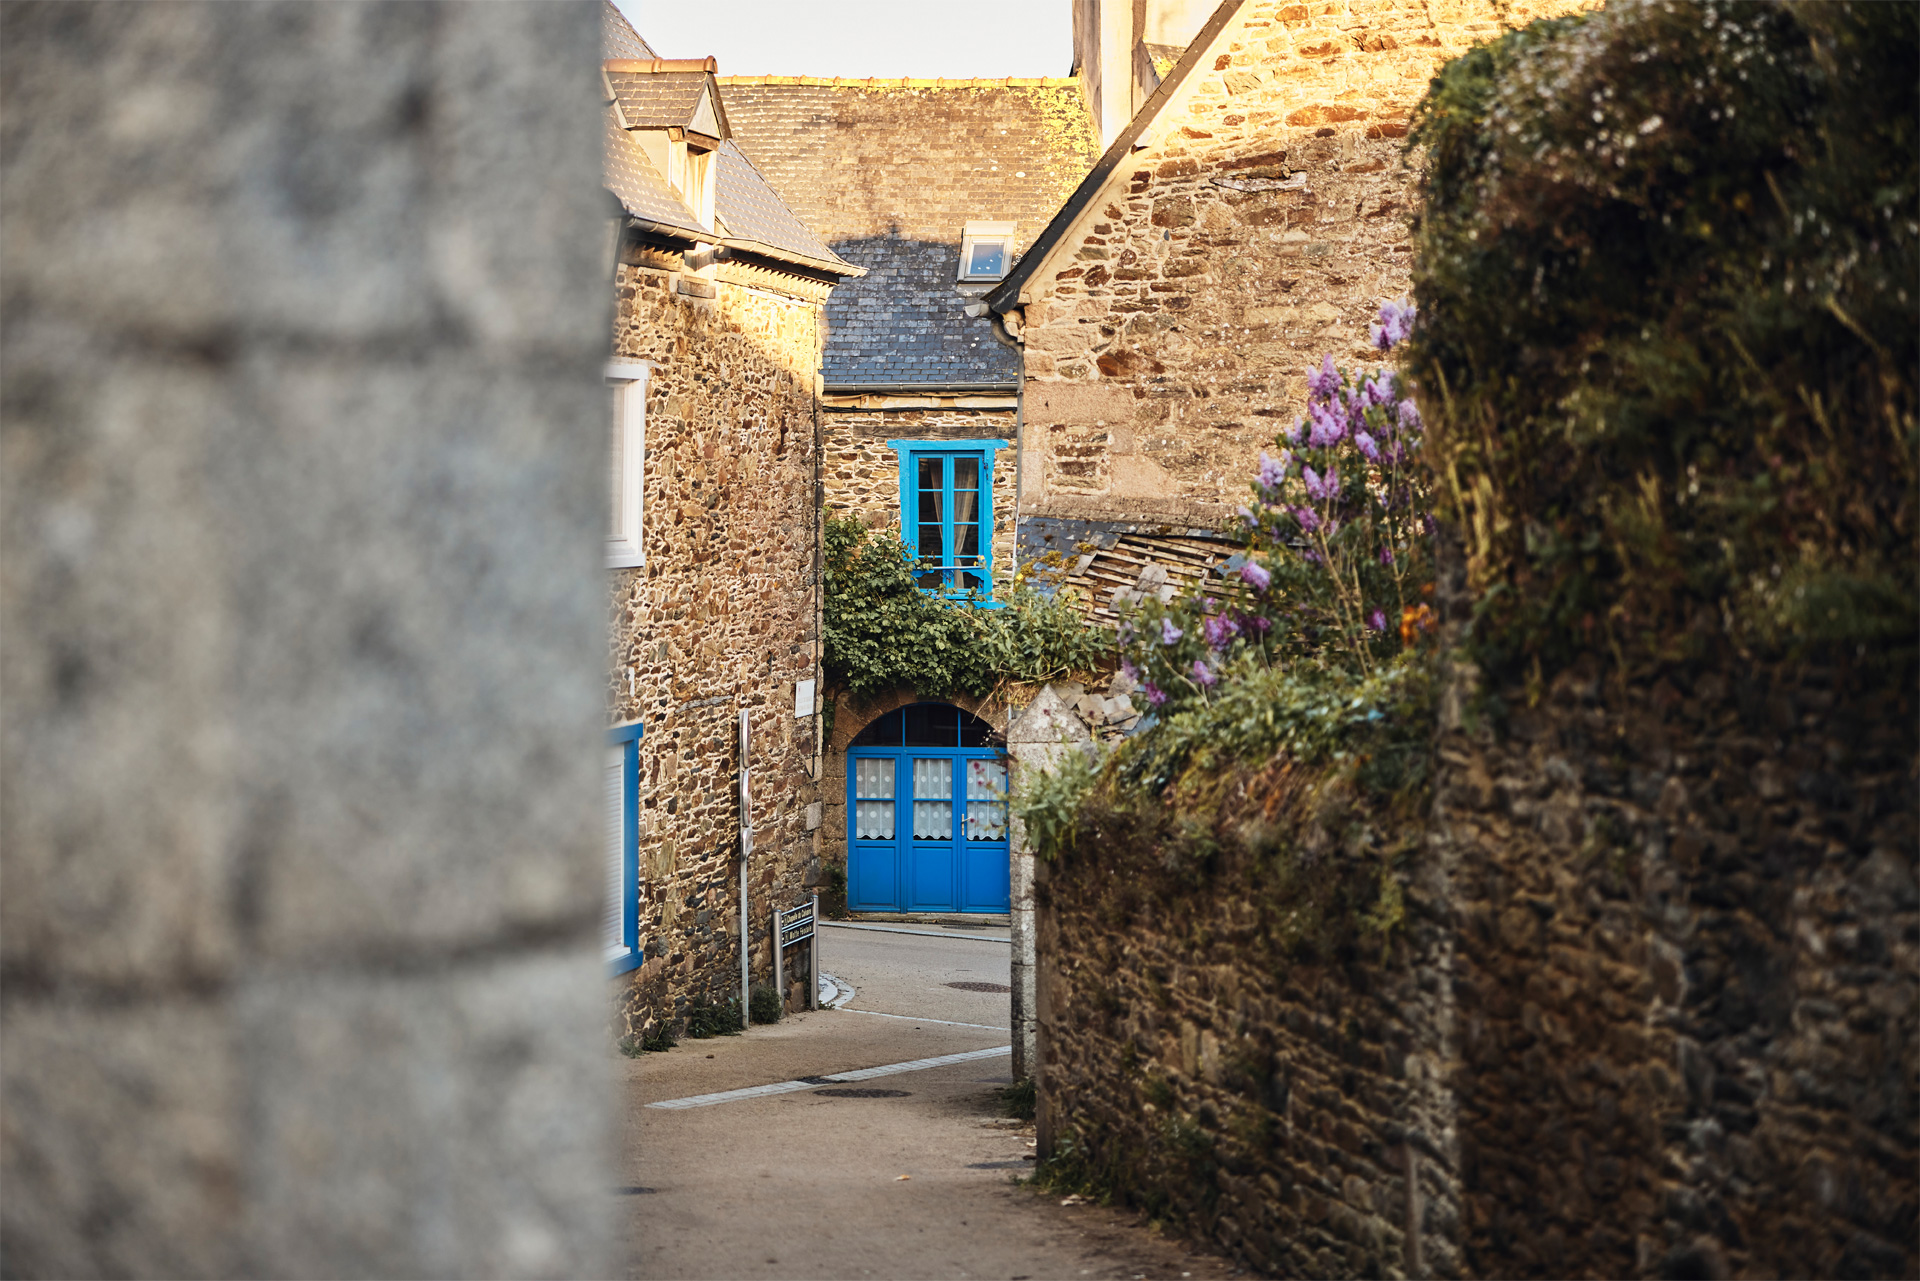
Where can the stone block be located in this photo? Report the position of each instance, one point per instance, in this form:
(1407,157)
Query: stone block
(448,1123)
(233,181)
(124,1152)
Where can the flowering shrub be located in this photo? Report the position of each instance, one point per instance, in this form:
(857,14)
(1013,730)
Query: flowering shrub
(1338,567)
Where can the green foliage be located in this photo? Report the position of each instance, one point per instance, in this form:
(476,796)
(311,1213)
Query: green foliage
(1380,723)
(883,632)
(764,1004)
(1666,279)
(707,1018)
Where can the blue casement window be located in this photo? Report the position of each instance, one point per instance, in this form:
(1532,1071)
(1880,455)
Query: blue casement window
(620,926)
(946,512)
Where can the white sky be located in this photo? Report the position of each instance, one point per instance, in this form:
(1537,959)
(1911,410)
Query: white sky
(921,38)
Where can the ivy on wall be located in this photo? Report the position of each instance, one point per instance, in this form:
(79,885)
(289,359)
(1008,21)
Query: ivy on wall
(883,633)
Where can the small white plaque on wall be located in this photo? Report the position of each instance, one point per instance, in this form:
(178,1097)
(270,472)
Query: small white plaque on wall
(803,698)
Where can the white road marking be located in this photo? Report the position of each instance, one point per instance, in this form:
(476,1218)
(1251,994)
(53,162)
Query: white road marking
(942,1022)
(837,1078)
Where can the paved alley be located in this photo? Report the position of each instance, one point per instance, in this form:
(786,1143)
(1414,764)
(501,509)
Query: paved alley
(889,1169)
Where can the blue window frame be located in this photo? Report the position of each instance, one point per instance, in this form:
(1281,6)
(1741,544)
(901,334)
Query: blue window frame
(620,925)
(946,512)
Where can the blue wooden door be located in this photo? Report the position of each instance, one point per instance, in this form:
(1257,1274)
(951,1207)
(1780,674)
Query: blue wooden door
(927,825)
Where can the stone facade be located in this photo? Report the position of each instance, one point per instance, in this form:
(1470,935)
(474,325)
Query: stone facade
(722,616)
(1652,1012)
(304,313)
(1259,222)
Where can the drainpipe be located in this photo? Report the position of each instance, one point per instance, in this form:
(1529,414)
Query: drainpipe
(746,852)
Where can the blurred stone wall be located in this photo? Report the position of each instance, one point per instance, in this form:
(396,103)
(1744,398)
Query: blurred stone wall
(723,616)
(304,308)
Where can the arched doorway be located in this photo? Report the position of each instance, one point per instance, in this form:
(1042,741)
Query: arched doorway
(926,814)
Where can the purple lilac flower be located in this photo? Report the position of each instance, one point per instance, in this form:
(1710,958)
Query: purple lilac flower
(1309,519)
(1368,446)
(1410,416)
(1246,514)
(1168,632)
(1203,677)
(1295,433)
(1321,489)
(1155,695)
(1258,623)
(1386,555)
(1396,322)
(1126,665)
(1377,621)
(1255,577)
(1324,381)
(1220,631)
(1273,470)
(1328,427)
(1380,389)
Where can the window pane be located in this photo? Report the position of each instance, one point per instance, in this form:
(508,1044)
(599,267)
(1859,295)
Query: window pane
(933,815)
(966,543)
(989,258)
(873,800)
(616,471)
(986,801)
(966,473)
(932,474)
(932,725)
(933,545)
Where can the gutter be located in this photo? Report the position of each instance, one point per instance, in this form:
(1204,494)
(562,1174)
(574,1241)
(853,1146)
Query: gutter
(921,389)
(1005,296)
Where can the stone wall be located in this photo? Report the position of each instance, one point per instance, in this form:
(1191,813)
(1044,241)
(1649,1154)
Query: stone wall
(1685,985)
(1169,333)
(1652,1010)
(860,476)
(722,616)
(303,489)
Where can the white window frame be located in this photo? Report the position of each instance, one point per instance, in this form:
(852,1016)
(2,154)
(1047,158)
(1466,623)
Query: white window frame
(986,231)
(624,545)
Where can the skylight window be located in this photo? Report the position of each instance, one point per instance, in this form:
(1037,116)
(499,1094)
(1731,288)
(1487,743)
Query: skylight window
(986,250)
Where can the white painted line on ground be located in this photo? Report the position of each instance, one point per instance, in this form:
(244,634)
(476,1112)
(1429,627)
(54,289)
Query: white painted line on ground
(901,929)
(942,1022)
(837,1078)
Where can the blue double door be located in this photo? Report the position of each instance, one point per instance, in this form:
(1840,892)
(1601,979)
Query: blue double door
(928,830)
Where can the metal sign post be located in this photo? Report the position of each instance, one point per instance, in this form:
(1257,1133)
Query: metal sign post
(746,850)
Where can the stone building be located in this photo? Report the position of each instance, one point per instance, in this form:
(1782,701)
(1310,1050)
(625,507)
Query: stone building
(1249,218)
(935,188)
(714,542)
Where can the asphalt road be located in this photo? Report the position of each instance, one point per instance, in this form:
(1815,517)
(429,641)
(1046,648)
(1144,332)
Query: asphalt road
(833,1179)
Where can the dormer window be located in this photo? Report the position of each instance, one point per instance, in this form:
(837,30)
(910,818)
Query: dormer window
(986,250)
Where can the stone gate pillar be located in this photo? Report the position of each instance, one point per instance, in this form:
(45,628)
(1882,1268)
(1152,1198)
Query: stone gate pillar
(302,508)
(1036,740)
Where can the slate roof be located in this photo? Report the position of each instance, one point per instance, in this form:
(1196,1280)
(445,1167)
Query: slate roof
(662,99)
(750,210)
(642,191)
(888,173)
(618,39)
(749,213)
